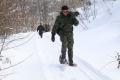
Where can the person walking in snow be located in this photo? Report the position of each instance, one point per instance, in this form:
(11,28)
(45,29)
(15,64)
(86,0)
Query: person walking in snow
(40,29)
(43,28)
(64,28)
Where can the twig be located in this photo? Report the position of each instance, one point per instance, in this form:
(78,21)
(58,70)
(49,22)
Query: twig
(17,39)
(85,27)
(118,59)
(21,43)
(2,47)
(5,75)
(106,65)
(16,63)
(7,42)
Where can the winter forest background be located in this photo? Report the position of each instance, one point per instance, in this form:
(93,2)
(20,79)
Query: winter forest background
(22,16)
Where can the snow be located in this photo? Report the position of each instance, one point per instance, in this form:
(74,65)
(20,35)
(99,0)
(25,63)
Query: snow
(94,53)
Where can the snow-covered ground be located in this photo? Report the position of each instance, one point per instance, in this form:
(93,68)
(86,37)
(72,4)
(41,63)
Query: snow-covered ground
(94,52)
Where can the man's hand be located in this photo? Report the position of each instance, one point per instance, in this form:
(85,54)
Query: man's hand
(53,38)
(77,13)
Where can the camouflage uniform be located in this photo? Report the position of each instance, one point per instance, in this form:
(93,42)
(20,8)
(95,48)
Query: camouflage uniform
(64,28)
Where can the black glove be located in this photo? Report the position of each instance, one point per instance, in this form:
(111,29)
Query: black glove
(77,13)
(53,37)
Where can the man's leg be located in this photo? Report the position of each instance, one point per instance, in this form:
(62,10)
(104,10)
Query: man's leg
(70,48)
(70,53)
(41,34)
(64,46)
(63,49)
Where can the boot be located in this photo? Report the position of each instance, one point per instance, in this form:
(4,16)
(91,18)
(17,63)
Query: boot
(72,64)
(63,60)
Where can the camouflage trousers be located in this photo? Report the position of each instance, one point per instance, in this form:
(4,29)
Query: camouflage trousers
(67,44)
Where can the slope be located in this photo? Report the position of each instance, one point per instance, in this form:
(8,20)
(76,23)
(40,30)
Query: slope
(92,50)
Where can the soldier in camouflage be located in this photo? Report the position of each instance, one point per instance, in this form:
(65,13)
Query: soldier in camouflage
(64,28)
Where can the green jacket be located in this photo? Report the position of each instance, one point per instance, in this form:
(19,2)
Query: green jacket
(65,24)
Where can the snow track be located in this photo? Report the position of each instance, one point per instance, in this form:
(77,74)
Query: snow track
(46,63)
(94,47)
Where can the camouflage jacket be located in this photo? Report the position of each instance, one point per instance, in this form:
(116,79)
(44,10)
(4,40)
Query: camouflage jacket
(65,24)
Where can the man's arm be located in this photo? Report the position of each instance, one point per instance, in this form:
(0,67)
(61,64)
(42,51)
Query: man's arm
(37,28)
(55,28)
(75,22)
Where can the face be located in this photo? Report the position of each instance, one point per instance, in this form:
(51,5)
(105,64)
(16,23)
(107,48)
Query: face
(65,12)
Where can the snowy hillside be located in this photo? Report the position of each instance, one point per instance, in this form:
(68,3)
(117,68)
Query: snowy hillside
(94,53)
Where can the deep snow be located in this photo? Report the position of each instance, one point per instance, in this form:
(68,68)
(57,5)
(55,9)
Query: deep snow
(94,52)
